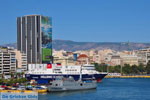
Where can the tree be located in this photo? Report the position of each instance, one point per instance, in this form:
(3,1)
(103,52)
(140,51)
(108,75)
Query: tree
(111,69)
(12,74)
(148,67)
(141,69)
(1,76)
(127,69)
(22,73)
(134,69)
(104,67)
(18,75)
(98,67)
(10,82)
(1,81)
(117,69)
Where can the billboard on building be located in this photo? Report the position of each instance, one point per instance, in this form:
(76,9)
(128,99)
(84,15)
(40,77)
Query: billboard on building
(46,28)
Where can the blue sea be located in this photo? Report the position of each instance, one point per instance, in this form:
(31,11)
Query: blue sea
(108,89)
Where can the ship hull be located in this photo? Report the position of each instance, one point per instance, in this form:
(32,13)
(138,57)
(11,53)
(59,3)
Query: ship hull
(75,86)
(45,78)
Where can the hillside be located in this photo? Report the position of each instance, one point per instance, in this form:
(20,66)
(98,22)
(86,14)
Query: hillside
(73,46)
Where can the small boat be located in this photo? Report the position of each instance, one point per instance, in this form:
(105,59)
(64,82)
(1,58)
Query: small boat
(69,84)
(39,89)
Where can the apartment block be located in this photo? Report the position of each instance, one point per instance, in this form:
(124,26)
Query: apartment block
(21,60)
(7,61)
(129,59)
(144,56)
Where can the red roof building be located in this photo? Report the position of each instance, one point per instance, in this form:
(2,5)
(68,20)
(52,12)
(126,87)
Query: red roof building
(82,59)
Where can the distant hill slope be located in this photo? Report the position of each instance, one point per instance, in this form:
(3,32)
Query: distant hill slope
(73,46)
(14,45)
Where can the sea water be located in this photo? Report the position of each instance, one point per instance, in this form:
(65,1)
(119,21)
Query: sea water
(108,89)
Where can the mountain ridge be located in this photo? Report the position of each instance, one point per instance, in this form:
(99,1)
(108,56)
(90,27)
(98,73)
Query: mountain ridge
(70,45)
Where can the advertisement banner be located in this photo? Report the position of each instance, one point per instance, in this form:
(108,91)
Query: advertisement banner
(46,28)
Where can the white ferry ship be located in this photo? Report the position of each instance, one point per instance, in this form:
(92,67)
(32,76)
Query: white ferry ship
(44,73)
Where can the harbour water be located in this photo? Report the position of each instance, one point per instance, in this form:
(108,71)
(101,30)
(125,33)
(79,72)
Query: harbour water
(109,89)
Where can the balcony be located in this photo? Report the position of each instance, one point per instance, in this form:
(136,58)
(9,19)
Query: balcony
(6,56)
(6,59)
(6,73)
(13,69)
(6,70)
(24,63)
(6,64)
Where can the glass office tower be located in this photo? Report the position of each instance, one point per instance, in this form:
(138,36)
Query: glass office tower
(34,37)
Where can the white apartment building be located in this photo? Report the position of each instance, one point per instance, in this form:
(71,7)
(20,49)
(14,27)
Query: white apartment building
(129,59)
(144,55)
(7,62)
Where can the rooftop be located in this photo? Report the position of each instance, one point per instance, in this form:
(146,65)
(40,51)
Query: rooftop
(83,56)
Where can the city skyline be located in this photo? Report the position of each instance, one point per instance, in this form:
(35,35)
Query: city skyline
(96,21)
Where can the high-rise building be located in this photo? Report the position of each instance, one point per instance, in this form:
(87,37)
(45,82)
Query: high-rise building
(34,37)
(7,62)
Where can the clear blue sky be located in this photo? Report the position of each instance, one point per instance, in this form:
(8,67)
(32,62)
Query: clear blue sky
(82,20)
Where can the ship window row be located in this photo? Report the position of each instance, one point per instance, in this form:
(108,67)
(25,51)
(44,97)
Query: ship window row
(38,72)
(71,70)
(57,69)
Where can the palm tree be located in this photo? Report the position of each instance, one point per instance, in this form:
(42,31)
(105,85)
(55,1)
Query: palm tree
(22,73)
(18,75)
(12,75)
(1,76)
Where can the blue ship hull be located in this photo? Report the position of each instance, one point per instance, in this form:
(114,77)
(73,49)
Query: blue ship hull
(45,78)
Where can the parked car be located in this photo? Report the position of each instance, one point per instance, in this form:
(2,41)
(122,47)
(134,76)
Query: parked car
(2,88)
(37,87)
(6,88)
(21,88)
(29,87)
(13,88)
